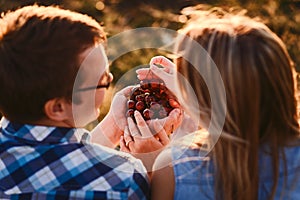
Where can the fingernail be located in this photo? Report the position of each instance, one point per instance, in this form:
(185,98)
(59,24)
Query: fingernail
(136,113)
(129,120)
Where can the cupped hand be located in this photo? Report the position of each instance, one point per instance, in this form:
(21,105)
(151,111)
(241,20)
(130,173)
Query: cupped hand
(167,72)
(118,107)
(169,123)
(138,138)
(109,130)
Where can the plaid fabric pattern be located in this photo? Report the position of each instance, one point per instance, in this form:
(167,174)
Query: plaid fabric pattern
(39,162)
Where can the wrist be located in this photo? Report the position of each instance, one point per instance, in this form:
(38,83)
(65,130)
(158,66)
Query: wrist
(107,132)
(110,127)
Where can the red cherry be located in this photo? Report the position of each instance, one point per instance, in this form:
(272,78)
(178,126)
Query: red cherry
(173,103)
(152,99)
(130,104)
(148,114)
(163,95)
(149,98)
(154,105)
(139,97)
(168,109)
(140,105)
(164,103)
(155,85)
(136,91)
(130,113)
(144,84)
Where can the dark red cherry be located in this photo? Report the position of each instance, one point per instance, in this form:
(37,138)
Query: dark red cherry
(130,113)
(140,105)
(148,114)
(149,99)
(130,104)
(154,105)
(144,84)
(139,97)
(152,99)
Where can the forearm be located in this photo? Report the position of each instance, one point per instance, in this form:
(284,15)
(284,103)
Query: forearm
(106,133)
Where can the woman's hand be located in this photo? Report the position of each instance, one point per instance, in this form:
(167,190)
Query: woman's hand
(141,142)
(167,73)
(169,123)
(138,138)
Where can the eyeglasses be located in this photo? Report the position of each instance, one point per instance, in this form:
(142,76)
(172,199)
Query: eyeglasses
(94,87)
(109,79)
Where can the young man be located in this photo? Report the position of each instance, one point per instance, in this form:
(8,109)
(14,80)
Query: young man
(53,76)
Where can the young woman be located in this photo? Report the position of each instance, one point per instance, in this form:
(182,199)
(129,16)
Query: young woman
(257,155)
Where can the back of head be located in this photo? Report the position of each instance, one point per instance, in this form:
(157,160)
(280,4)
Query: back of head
(39,57)
(258,78)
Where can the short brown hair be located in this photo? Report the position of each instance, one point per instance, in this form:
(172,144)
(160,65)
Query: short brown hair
(39,57)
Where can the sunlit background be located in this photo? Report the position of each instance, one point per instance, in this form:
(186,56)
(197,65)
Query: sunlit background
(282,16)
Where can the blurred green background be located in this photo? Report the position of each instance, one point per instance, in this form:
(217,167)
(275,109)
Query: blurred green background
(282,16)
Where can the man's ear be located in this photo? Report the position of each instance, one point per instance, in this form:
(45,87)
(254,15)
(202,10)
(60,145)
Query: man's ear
(58,109)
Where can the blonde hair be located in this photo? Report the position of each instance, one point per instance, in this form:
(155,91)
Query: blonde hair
(261,107)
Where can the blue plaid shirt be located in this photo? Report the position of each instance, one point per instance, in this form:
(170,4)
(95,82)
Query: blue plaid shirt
(39,162)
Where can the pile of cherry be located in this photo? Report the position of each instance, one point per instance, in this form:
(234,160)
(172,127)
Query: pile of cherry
(151,98)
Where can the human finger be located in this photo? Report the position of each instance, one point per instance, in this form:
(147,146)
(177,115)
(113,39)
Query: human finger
(161,133)
(169,123)
(142,125)
(127,137)
(161,73)
(163,61)
(174,119)
(123,147)
(143,73)
(133,129)
(120,98)
(118,107)
(125,91)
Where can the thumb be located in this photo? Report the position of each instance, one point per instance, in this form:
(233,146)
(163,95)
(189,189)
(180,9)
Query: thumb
(163,61)
(159,72)
(123,146)
(125,91)
(161,133)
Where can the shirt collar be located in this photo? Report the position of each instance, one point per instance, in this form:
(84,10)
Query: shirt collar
(35,134)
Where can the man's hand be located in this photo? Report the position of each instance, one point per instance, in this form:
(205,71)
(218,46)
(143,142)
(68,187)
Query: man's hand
(110,129)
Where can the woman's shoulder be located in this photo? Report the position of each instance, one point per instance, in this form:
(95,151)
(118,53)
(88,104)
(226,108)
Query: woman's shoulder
(190,165)
(189,153)
(290,151)
(289,160)
(187,148)
(191,145)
